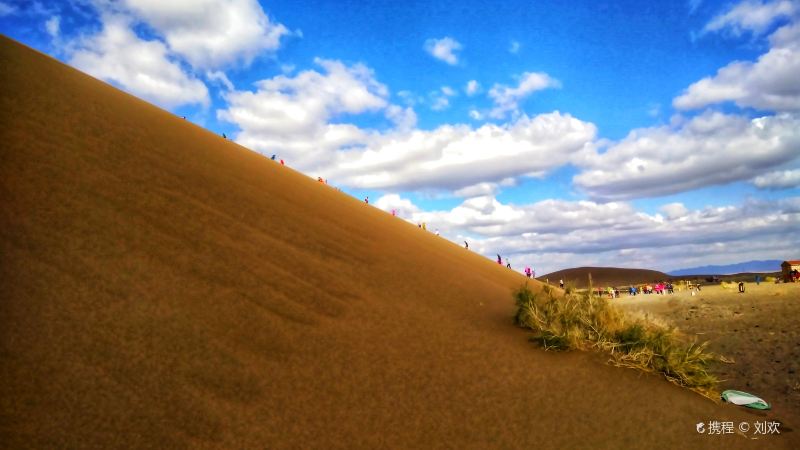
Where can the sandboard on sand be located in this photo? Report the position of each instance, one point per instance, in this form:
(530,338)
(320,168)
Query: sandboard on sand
(744,399)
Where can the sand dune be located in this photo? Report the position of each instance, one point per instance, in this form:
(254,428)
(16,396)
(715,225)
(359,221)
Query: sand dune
(604,276)
(163,287)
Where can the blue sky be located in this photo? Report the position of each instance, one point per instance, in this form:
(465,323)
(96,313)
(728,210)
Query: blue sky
(626,133)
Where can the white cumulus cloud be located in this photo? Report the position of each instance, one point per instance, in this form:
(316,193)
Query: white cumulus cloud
(292,114)
(301,117)
(506,99)
(139,66)
(712,148)
(219,76)
(459,156)
(208,33)
(674,210)
(780,179)
(53,26)
(472,88)
(752,15)
(443,49)
(771,82)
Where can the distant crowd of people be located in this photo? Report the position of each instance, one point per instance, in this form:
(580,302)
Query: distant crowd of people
(659,288)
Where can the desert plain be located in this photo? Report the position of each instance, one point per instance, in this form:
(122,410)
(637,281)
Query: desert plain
(758,330)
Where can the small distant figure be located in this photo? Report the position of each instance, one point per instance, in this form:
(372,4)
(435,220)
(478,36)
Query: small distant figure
(561,284)
(366,199)
(533,273)
(394,213)
(466,245)
(319,179)
(273,157)
(223,136)
(437,232)
(424,226)
(419,225)
(499,260)
(758,280)
(527,271)
(282,163)
(183,117)
(741,287)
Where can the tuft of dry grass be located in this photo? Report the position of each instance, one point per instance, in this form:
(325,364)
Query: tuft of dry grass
(582,321)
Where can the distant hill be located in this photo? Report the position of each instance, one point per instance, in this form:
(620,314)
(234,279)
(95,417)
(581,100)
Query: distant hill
(766,266)
(602,276)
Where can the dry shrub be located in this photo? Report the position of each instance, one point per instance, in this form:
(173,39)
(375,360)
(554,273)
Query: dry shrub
(583,321)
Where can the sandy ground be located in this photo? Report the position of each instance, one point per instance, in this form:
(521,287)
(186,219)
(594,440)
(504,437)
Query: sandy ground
(759,330)
(165,288)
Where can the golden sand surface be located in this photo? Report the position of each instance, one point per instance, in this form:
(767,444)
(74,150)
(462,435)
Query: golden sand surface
(165,288)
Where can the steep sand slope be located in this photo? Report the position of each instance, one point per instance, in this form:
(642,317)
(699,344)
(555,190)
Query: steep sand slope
(604,276)
(163,287)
